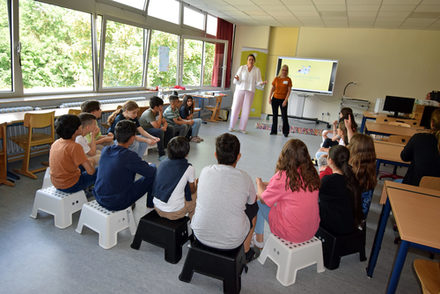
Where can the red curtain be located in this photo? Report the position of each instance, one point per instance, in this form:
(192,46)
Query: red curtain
(225,31)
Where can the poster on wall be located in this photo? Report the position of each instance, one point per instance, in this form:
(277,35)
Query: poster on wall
(261,61)
(164,58)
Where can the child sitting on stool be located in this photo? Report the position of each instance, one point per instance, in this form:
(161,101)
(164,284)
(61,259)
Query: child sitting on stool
(174,188)
(70,169)
(226,209)
(115,187)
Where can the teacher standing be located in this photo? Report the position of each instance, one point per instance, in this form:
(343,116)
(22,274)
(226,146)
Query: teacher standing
(279,95)
(248,77)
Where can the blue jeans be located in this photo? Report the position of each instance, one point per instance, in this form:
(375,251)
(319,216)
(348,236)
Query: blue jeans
(196,127)
(263,214)
(85,180)
(138,147)
(164,137)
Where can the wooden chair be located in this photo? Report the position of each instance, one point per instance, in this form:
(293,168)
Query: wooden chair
(398,139)
(34,121)
(430,183)
(74,111)
(4,158)
(215,109)
(428,273)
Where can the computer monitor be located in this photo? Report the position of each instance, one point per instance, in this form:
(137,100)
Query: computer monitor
(398,105)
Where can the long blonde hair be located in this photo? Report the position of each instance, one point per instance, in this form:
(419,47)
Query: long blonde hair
(281,69)
(127,106)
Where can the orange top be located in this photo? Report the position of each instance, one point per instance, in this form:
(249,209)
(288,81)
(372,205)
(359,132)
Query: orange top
(64,159)
(281,86)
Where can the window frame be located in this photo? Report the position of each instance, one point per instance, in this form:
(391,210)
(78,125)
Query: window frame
(102,89)
(210,40)
(196,10)
(114,11)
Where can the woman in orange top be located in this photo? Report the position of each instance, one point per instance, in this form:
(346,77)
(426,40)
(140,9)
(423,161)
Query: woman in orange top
(279,95)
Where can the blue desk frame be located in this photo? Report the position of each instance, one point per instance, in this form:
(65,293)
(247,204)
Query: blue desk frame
(401,256)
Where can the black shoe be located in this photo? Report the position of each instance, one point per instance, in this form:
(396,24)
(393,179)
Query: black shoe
(286,135)
(251,255)
(273,133)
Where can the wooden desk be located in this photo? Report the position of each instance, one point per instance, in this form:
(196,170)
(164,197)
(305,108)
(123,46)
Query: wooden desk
(387,152)
(216,109)
(387,129)
(416,216)
(420,192)
(368,115)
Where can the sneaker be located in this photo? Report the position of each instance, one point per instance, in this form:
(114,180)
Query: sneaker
(231,130)
(255,243)
(163,157)
(194,139)
(200,139)
(251,255)
(243,131)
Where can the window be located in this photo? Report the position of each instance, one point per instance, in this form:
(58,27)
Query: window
(211,25)
(192,62)
(208,65)
(139,4)
(56,53)
(193,18)
(168,10)
(123,56)
(5,49)
(157,76)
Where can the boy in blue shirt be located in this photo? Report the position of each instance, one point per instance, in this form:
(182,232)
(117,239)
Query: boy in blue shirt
(115,186)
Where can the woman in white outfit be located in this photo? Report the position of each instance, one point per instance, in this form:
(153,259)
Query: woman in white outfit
(248,77)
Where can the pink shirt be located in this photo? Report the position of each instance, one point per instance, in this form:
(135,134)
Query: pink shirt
(294,216)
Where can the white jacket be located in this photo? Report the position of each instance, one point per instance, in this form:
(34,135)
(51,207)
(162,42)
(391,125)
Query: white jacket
(248,80)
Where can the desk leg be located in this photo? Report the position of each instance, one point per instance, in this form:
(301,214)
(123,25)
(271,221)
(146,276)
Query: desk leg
(398,265)
(378,162)
(378,238)
(364,119)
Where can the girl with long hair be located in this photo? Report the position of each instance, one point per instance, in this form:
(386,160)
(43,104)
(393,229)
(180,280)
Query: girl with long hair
(187,112)
(363,163)
(340,195)
(289,201)
(130,111)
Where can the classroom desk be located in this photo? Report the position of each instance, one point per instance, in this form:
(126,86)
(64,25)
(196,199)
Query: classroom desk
(366,115)
(417,214)
(387,152)
(201,104)
(387,129)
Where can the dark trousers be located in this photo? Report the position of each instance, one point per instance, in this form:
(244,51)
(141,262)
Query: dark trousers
(137,190)
(164,137)
(275,104)
(85,180)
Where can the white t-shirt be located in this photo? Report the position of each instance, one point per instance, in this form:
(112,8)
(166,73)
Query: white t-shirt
(177,199)
(248,80)
(220,220)
(84,143)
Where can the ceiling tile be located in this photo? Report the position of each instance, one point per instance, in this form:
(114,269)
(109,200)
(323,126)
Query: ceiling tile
(328,7)
(374,7)
(428,8)
(397,7)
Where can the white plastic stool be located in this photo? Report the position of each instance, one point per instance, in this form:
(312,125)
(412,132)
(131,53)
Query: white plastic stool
(60,204)
(291,257)
(105,222)
(46,180)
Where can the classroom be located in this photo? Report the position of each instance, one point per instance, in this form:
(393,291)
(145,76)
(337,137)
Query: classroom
(55,55)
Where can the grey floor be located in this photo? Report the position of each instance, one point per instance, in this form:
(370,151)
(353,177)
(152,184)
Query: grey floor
(35,256)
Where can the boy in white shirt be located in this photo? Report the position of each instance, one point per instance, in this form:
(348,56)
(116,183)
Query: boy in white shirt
(89,126)
(174,188)
(226,210)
